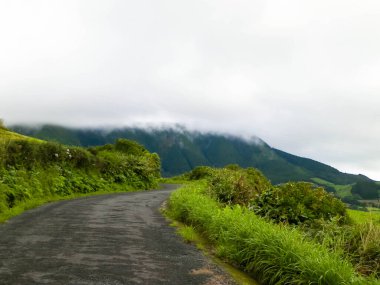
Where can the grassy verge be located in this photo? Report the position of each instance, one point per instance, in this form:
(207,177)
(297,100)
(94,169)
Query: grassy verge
(190,235)
(274,254)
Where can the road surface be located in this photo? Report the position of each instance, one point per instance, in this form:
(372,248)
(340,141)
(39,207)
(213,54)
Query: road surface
(109,239)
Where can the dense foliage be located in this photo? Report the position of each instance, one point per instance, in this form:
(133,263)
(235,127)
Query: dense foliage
(31,169)
(275,213)
(366,190)
(236,185)
(292,203)
(299,202)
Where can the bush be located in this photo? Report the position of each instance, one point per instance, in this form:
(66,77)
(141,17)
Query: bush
(299,202)
(50,153)
(200,172)
(129,147)
(238,186)
(20,153)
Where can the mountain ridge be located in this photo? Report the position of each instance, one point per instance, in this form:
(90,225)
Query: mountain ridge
(181,150)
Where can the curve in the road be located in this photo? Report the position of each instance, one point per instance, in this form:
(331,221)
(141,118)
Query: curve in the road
(108,239)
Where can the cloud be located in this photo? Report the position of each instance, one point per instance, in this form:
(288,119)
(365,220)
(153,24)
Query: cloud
(301,75)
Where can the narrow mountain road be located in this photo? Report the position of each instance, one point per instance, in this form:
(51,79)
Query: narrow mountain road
(109,239)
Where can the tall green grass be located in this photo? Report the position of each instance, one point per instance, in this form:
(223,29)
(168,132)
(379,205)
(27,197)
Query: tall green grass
(275,254)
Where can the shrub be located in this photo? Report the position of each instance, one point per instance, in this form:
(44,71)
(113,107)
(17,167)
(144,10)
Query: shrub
(50,152)
(79,157)
(200,172)
(130,147)
(299,202)
(237,186)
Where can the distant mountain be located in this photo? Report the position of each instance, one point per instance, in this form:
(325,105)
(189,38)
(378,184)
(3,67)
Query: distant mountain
(181,150)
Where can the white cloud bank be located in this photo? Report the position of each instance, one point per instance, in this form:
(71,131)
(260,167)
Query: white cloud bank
(302,75)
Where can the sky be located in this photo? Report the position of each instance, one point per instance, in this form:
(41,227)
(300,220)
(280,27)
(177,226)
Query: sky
(304,76)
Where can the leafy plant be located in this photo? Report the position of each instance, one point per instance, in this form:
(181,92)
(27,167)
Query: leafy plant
(200,172)
(299,202)
(237,186)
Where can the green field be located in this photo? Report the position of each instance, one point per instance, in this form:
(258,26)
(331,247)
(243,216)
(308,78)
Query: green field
(361,217)
(342,191)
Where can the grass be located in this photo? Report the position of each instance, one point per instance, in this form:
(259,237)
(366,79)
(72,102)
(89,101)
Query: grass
(274,254)
(342,191)
(190,235)
(6,135)
(361,217)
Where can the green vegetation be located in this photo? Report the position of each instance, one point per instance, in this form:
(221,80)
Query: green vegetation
(237,186)
(274,254)
(6,136)
(301,202)
(361,195)
(191,235)
(181,151)
(293,233)
(360,217)
(366,190)
(33,172)
(342,191)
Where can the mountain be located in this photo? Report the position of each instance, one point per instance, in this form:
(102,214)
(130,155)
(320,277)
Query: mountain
(182,150)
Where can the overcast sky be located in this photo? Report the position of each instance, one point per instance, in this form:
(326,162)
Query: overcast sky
(302,75)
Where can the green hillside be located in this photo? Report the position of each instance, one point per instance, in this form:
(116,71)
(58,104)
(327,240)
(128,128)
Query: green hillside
(181,151)
(6,135)
(33,171)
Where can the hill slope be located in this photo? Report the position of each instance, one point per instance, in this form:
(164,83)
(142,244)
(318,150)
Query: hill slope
(181,150)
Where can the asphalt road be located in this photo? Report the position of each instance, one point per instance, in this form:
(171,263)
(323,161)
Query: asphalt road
(109,239)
